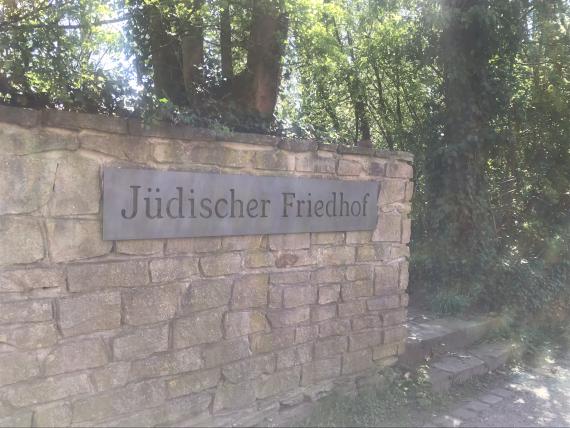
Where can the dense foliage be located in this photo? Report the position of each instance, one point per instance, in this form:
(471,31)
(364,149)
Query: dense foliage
(478,91)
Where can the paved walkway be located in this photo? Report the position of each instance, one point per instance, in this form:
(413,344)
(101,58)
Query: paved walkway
(530,398)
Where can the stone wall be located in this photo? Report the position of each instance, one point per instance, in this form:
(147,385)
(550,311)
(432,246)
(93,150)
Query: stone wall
(184,331)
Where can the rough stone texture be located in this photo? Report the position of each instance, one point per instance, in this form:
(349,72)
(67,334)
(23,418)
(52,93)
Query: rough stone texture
(190,331)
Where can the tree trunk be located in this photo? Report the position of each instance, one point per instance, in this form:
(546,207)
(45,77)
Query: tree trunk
(226,43)
(193,54)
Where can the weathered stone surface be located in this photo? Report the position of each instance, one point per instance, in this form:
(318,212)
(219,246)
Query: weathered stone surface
(394,334)
(202,327)
(353,290)
(268,342)
(48,389)
(25,117)
(215,154)
(52,415)
(393,318)
(276,297)
(170,269)
(366,322)
(30,279)
(119,146)
(110,376)
(76,120)
(259,259)
(286,278)
(73,356)
(358,237)
(287,317)
(327,348)
(119,401)
(293,241)
(389,228)
(358,272)
(327,238)
(317,371)
(294,258)
(325,165)
(305,162)
(22,240)
(90,312)
(306,333)
(29,336)
(336,255)
(21,418)
(234,243)
(141,342)
(299,296)
(404,275)
(92,276)
(323,312)
(164,364)
(226,351)
(243,323)
(364,339)
(18,366)
(348,309)
(220,265)
(377,168)
(277,383)
(328,275)
(392,191)
(192,383)
(296,356)
(140,247)
(383,302)
(354,362)
(206,294)
(273,160)
(193,245)
(329,293)
(25,311)
(249,369)
(250,291)
(26,182)
(384,351)
(346,167)
(334,327)
(151,304)
(72,239)
(234,396)
(77,186)
(399,169)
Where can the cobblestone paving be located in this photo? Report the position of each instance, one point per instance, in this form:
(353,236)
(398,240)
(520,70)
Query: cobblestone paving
(530,398)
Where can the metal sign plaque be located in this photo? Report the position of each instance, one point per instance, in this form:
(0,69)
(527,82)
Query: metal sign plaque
(146,204)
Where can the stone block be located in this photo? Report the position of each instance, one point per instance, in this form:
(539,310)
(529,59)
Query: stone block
(26,182)
(140,247)
(377,168)
(293,241)
(356,289)
(349,168)
(289,317)
(193,245)
(22,280)
(90,312)
(330,346)
(29,336)
(334,327)
(404,275)
(352,308)
(391,318)
(269,342)
(73,356)
(289,278)
(120,401)
(22,240)
(358,272)
(250,291)
(171,269)
(25,311)
(297,145)
(386,279)
(25,117)
(220,265)
(305,162)
(48,389)
(320,370)
(249,369)
(384,351)
(399,169)
(111,376)
(93,276)
(336,255)
(306,333)
(243,323)
(406,230)
(206,294)
(216,154)
(293,259)
(323,312)
(72,239)
(166,364)
(277,383)
(395,334)
(382,303)
(17,367)
(274,160)
(76,120)
(53,415)
(299,296)
(22,418)
(296,356)
(392,191)
(327,238)
(365,322)
(235,243)
(259,259)
(141,342)
(227,351)
(201,327)
(364,339)
(77,187)
(325,165)
(329,293)
(358,237)
(232,396)
(276,297)
(192,383)
(355,362)
(409,191)
(328,275)
(389,228)
(151,304)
